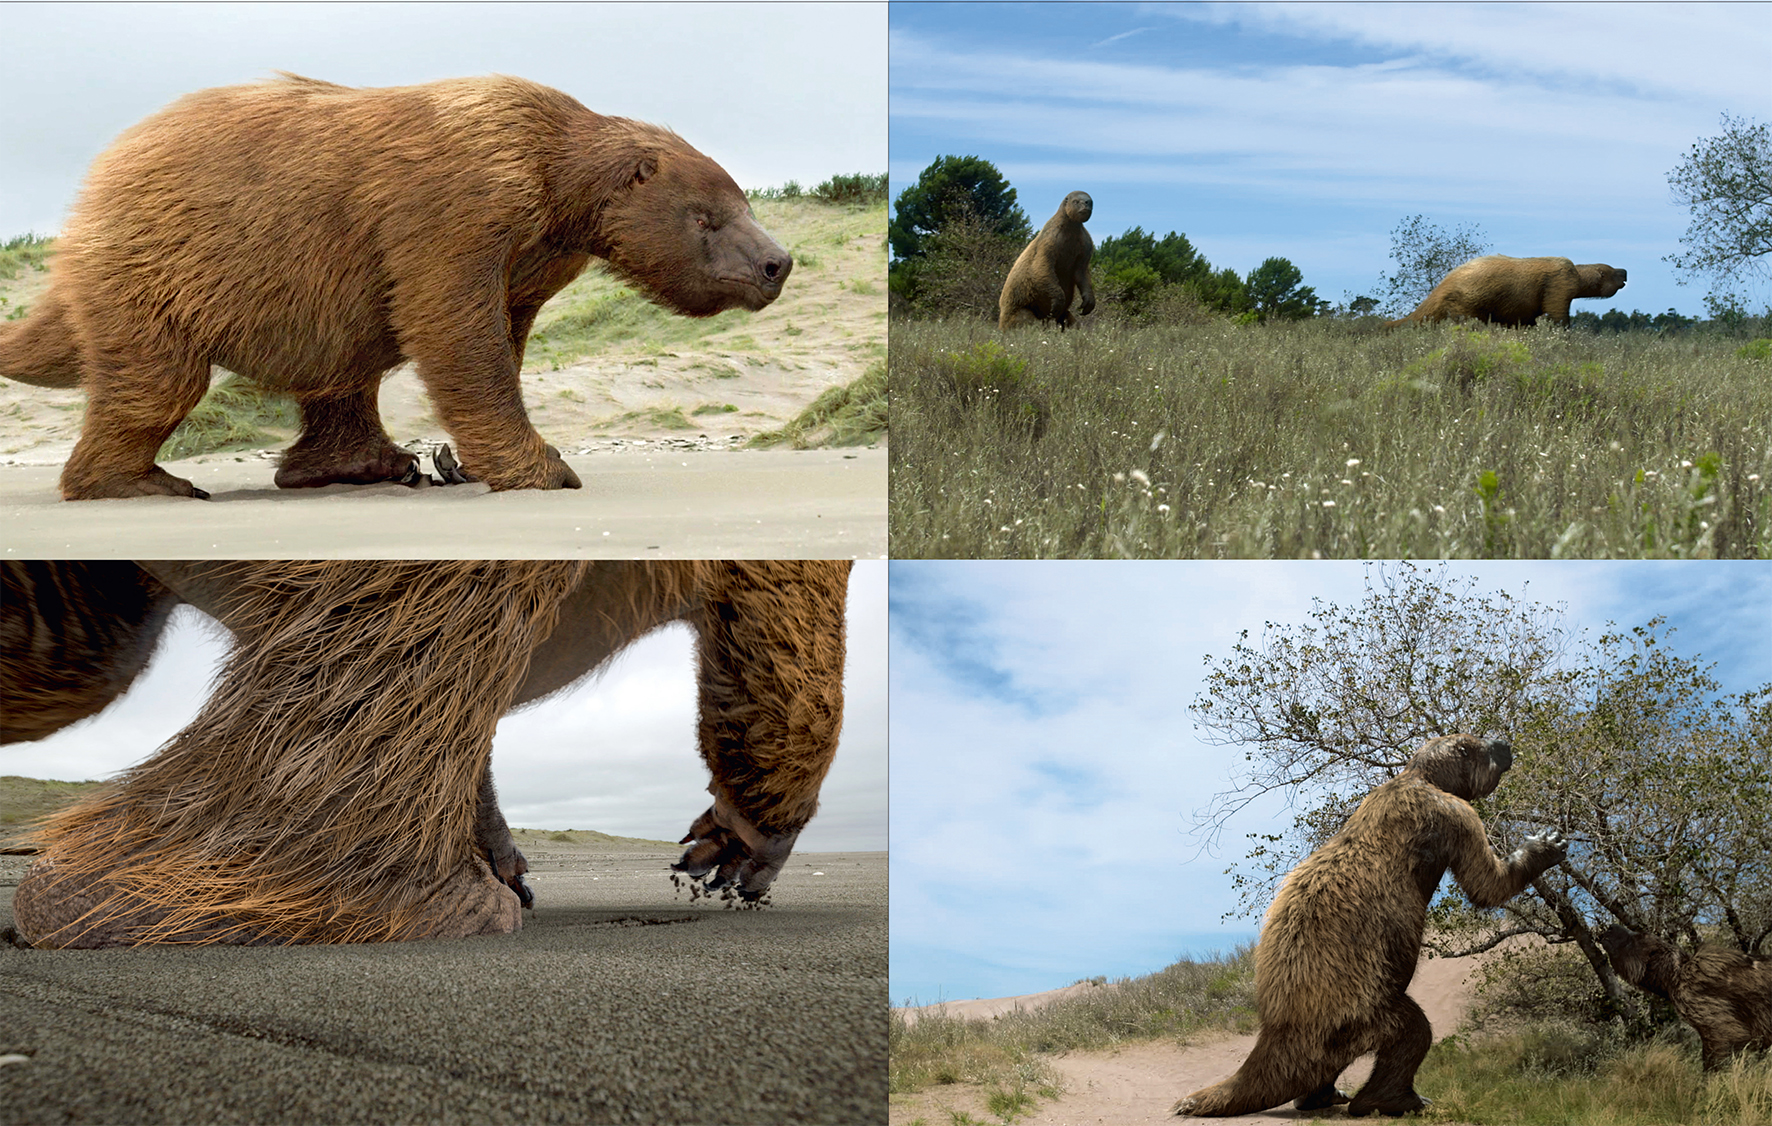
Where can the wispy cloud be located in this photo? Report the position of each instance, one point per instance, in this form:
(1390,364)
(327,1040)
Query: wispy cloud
(1309,130)
(1117,38)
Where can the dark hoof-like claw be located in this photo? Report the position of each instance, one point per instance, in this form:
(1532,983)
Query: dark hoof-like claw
(449,470)
(730,852)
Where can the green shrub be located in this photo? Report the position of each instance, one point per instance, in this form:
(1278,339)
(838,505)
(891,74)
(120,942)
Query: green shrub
(857,188)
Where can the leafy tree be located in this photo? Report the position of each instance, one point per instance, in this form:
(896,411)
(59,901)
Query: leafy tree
(962,269)
(1136,267)
(952,187)
(1425,253)
(1277,291)
(1662,784)
(1727,182)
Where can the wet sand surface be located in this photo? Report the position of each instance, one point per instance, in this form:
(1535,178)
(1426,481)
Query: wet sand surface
(665,504)
(619,1001)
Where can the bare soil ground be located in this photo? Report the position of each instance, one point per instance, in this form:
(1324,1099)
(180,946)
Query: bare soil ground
(1139,1082)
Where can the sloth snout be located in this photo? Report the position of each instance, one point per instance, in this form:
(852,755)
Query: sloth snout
(776,267)
(1501,753)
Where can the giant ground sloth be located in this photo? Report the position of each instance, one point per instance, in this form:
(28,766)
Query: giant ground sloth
(1725,995)
(1515,291)
(335,788)
(310,237)
(1342,938)
(1051,270)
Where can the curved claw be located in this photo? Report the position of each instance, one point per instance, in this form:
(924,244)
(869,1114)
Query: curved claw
(510,870)
(724,842)
(449,470)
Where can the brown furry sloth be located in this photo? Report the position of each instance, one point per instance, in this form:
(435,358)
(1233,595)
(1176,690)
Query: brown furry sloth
(335,788)
(311,237)
(1515,291)
(1051,270)
(1342,938)
(1725,995)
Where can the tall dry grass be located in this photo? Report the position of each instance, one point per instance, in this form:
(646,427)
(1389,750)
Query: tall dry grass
(1327,439)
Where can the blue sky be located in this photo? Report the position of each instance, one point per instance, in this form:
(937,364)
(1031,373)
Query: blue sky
(1309,131)
(1045,767)
(615,753)
(774,92)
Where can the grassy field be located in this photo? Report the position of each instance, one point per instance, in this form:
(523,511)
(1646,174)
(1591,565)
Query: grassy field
(1326,439)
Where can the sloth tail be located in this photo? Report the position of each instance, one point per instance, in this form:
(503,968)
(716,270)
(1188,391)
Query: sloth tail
(40,349)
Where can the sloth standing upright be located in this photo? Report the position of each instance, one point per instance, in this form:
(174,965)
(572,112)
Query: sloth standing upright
(310,237)
(1052,270)
(1341,941)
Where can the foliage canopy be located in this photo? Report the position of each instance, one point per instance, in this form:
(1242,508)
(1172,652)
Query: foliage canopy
(954,187)
(1727,182)
(1662,783)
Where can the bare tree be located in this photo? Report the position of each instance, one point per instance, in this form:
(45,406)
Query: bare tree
(1425,253)
(1727,182)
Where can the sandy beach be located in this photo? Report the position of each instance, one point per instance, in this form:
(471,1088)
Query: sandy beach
(645,502)
(621,1000)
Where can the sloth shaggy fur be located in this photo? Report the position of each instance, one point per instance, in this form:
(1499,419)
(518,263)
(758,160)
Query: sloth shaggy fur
(335,786)
(1342,939)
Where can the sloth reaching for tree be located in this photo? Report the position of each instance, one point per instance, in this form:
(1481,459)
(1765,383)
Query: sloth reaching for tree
(1343,936)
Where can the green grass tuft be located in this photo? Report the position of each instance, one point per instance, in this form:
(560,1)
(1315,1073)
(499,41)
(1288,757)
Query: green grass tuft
(233,415)
(28,250)
(1179,1001)
(851,415)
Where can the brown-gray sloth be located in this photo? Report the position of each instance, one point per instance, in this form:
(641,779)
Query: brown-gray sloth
(1342,939)
(1515,291)
(311,237)
(335,786)
(1052,270)
(1725,995)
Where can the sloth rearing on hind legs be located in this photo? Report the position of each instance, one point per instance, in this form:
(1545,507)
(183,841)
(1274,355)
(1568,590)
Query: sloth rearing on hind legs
(1342,939)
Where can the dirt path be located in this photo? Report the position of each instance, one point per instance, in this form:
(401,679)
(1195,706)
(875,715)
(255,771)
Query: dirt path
(1137,1084)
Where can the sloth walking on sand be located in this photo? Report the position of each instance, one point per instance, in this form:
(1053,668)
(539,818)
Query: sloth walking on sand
(311,237)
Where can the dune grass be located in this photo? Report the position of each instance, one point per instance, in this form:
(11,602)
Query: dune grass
(598,312)
(1004,1054)
(851,415)
(27,251)
(234,414)
(24,800)
(1326,439)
